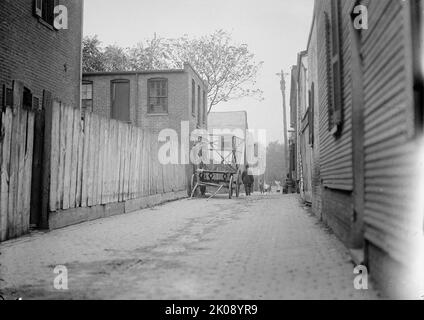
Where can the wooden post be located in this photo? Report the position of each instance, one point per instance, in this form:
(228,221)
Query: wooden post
(357,235)
(37,168)
(46,169)
(4,171)
(14,158)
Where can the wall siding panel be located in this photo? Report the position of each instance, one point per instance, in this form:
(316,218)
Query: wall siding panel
(388,165)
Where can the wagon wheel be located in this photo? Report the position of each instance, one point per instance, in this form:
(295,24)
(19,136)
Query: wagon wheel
(230,187)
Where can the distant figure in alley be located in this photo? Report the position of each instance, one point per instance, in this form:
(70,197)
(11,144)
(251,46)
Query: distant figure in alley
(248,180)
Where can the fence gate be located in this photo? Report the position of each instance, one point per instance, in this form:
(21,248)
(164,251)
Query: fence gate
(16,158)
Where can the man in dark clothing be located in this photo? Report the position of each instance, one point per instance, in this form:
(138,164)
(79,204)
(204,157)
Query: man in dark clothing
(248,180)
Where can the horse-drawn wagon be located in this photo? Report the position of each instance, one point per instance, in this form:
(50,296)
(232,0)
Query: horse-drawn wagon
(225,170)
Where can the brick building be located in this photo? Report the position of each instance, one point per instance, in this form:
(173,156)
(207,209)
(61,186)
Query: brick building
(153,100)
(34,52)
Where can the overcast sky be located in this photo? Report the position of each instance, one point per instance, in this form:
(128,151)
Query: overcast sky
(275,30)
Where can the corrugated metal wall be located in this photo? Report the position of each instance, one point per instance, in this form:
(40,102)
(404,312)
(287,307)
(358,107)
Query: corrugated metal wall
(389,165)
(335,153)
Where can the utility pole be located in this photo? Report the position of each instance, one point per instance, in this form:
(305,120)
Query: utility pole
(286,146)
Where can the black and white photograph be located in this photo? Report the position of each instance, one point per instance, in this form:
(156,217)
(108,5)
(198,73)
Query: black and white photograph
(197,151)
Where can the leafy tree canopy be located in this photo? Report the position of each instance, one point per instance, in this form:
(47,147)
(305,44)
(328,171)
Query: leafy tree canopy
(230,69)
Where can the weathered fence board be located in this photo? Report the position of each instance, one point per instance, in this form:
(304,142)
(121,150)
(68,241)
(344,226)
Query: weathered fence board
(79,162)
(4,173)
(67,158)
(100,161)
(74,159)
(85,161)
(16,156)
(28,171)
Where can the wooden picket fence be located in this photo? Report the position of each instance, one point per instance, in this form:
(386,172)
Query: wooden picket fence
(52,161)
(99,161)
(16,154)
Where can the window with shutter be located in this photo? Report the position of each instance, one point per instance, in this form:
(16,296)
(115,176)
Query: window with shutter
(337,104)
(39,8)
(311,115)
(44,10)
(328,71)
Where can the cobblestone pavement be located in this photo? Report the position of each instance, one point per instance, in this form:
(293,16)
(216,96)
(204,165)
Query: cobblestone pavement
(263,247)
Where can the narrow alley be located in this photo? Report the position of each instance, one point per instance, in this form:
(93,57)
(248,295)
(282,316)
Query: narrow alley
(263,247)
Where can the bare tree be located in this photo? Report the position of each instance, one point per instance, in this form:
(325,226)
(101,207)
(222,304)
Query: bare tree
(230,69)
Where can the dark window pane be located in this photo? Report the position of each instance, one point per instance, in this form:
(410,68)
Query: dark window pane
(158,99)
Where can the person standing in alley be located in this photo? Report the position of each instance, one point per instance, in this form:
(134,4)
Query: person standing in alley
(261,186)
(247,178)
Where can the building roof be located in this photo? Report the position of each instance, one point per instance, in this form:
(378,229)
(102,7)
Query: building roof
(136,72)
(117,73)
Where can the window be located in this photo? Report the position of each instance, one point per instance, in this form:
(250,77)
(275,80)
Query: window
(256,150)
(193,97)
(86,97)
(36,103)
(158,96)
(7,100)
(44,9)
(311,114)
(199,107)
(120,100)
(205,111)
(27,99)
(335,104)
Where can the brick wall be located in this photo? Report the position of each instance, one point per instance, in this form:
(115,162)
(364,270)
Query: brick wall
(179,100)
(177,103)
(179,97)
(102,93)
(41,57)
